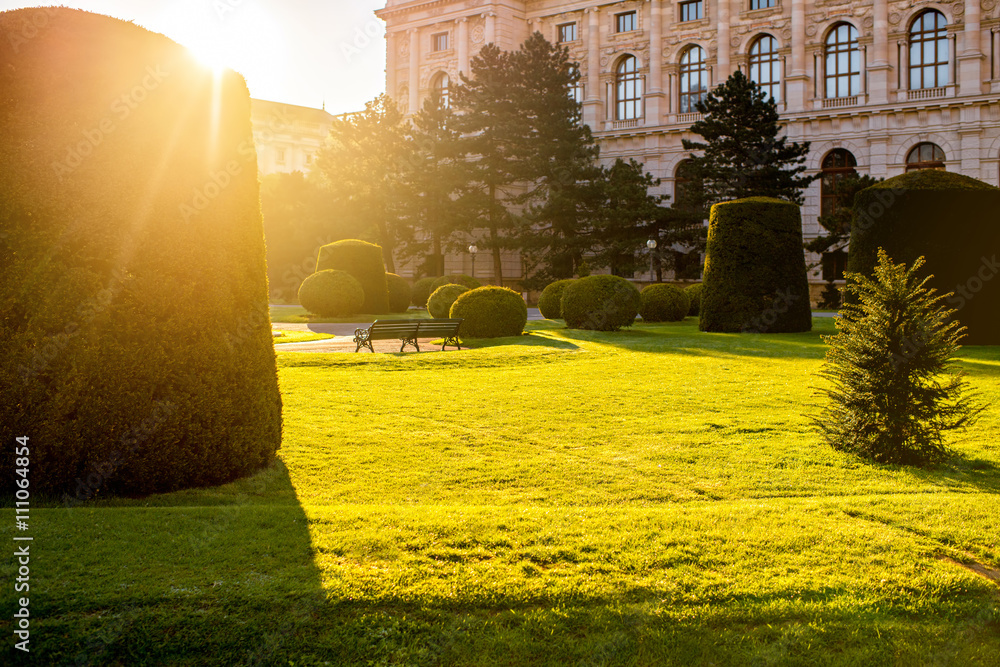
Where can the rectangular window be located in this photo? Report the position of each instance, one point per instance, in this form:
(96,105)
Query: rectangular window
(281,156)
(625,22)
(762,4)
(440,41)
(567,32)
(692,11)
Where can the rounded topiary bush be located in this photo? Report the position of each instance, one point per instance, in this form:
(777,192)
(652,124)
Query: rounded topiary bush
(457,279)
(490,312)
(600,303)
(422,291)
(550,300)
(331,294)
(399,293)
(694,295)
(664,303)
(953,222)
(364,261)
(440,302)
(755,269)
(137,347)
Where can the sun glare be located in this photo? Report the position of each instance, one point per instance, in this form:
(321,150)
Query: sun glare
(212,56)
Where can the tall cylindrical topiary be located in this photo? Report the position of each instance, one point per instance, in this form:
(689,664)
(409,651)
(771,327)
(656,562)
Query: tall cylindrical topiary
(755,269)
(490,312)
(331,294)
(440,302)
(399,293)
(600,303)
(364,261)
(550,300)
(953,221)
(137,354)
(422,291)
(664,303)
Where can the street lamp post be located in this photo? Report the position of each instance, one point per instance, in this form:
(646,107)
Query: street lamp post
(651,244)
(473,249)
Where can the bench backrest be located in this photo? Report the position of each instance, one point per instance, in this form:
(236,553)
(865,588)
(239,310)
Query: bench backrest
(395,328)
(439,327)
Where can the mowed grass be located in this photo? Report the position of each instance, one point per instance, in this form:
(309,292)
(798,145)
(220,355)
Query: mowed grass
(281,314)
(651,497)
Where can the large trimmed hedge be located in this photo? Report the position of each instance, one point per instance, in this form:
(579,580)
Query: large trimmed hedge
(550,300)
(136,343)
(399,293)
(364,261)
(490,312)
(694,294)
(664,303)
(953,221)
(600,303)
(755,269)
(456,279)
(440,302)
(422,291)
(331,294)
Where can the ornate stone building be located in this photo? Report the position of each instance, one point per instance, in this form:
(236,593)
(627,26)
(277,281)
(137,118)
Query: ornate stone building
(287,136)
(878,86)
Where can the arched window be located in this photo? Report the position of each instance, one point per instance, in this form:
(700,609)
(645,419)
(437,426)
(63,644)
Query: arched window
(628,89)
(441,89)
(929,51)
(694,79)
(843,62)
(837,165)
(765,65)
(925,156)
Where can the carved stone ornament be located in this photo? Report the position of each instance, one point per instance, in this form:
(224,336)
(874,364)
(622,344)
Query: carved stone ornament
(868,22)
(988,5)
(404,48)
(811,30)
(478,34)
(895,18)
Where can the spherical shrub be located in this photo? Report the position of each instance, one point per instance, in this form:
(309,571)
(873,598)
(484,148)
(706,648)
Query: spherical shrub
(440,302)
(331,294)
(694,294)
(399,293)
(137,347)
(664,303)
(550,301)
(600,303)
(490,312)
(422,291)
(364,261)
(949,219)
(458,279)
(755,269)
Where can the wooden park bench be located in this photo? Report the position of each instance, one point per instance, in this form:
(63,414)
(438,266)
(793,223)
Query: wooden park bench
(408,331)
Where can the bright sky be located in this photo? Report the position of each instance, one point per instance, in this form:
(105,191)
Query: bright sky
(295,51)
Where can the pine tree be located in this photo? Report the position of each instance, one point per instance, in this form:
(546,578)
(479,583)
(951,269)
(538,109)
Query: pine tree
(743,154)
(893,396)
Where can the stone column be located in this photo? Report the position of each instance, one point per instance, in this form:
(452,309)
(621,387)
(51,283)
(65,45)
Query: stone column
(971,58)
(724,37)
(491,28)
(654,87)
(463,45)
(880,71)
(797,80)
(414,70)
(592,103)
(392,52)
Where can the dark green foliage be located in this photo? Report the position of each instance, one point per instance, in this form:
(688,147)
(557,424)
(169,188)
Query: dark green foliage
(550,300)
(743,156)
(838,223)
(664,303)
(422,291)
(458,279)
(400,293)
(331,294)
(135,343)
(600,303)
(362,260)
(440,302)
(755,270)
(893,396)
(490,312)
(694,294)
(831,299)
(953,221)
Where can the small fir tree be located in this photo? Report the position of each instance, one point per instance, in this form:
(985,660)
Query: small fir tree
(743,156)
(893,395)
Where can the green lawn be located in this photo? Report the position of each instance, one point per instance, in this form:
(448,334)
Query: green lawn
(651,497)
(299,315)
(299,337)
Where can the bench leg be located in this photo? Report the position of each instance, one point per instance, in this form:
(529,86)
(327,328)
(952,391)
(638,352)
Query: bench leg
(409,341)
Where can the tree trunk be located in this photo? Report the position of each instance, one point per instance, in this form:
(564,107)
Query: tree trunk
(387,248)
(495,239)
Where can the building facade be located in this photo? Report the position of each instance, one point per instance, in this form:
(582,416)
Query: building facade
(287,136)
(876,86)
